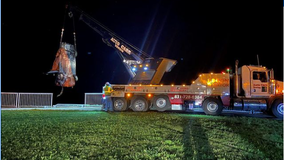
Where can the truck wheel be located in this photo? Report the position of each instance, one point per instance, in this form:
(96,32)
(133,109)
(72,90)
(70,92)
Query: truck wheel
(212,106)
(139,104)
(119,104)
(277,108)
(161,102)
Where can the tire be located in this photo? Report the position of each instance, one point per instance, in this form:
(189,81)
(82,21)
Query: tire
(212,106)
(161,103)
(277,108)
(139,104)
(119,104)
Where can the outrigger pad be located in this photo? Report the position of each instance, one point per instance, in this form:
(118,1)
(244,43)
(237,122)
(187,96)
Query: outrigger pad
(64,65)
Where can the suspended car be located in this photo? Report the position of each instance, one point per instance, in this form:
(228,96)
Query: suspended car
(64,66)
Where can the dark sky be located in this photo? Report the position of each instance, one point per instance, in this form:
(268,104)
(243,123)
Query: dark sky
(203,36)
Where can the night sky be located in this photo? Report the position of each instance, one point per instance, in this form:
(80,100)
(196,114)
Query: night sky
(203,36)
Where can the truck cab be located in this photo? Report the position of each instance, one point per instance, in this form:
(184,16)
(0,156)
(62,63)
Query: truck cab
(252,88)
(255,82)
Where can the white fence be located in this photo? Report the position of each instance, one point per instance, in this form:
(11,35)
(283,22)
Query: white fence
(9,99)
(43,100)
(93,99)
(26,100)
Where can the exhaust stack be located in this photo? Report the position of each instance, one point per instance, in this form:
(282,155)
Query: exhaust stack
(236,79)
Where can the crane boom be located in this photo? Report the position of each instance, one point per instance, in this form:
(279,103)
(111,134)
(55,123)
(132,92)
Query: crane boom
(143,68)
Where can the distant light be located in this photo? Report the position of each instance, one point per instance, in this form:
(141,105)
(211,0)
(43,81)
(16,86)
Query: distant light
(183,85)
(223,72)
(161,84)
(211,73)
(140,65)
(145,68)
(193,82)
(133,69)
(89,53)
(172,85)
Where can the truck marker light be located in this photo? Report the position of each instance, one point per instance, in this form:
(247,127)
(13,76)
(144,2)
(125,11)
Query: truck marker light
(128,94)
(172,85)
(161,84)
(183,85)
(209,83)
(149,95)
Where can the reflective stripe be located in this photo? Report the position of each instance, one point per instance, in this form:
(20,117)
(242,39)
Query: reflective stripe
(107,90)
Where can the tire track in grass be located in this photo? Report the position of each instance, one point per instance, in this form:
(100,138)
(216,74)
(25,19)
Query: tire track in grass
(226,142)
(251,131)
(196,147)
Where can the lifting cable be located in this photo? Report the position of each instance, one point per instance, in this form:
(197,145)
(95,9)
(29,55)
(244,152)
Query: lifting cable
(74,33)
(62,30)
(70,14)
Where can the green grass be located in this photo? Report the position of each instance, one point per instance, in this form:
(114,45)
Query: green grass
(129,135)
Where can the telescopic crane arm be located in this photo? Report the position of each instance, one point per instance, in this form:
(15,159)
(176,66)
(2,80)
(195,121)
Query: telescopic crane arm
(143,68)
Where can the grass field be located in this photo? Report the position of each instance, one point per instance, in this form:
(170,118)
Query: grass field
(53,135)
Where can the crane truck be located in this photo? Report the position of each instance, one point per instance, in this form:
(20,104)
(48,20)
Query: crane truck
(249,88)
